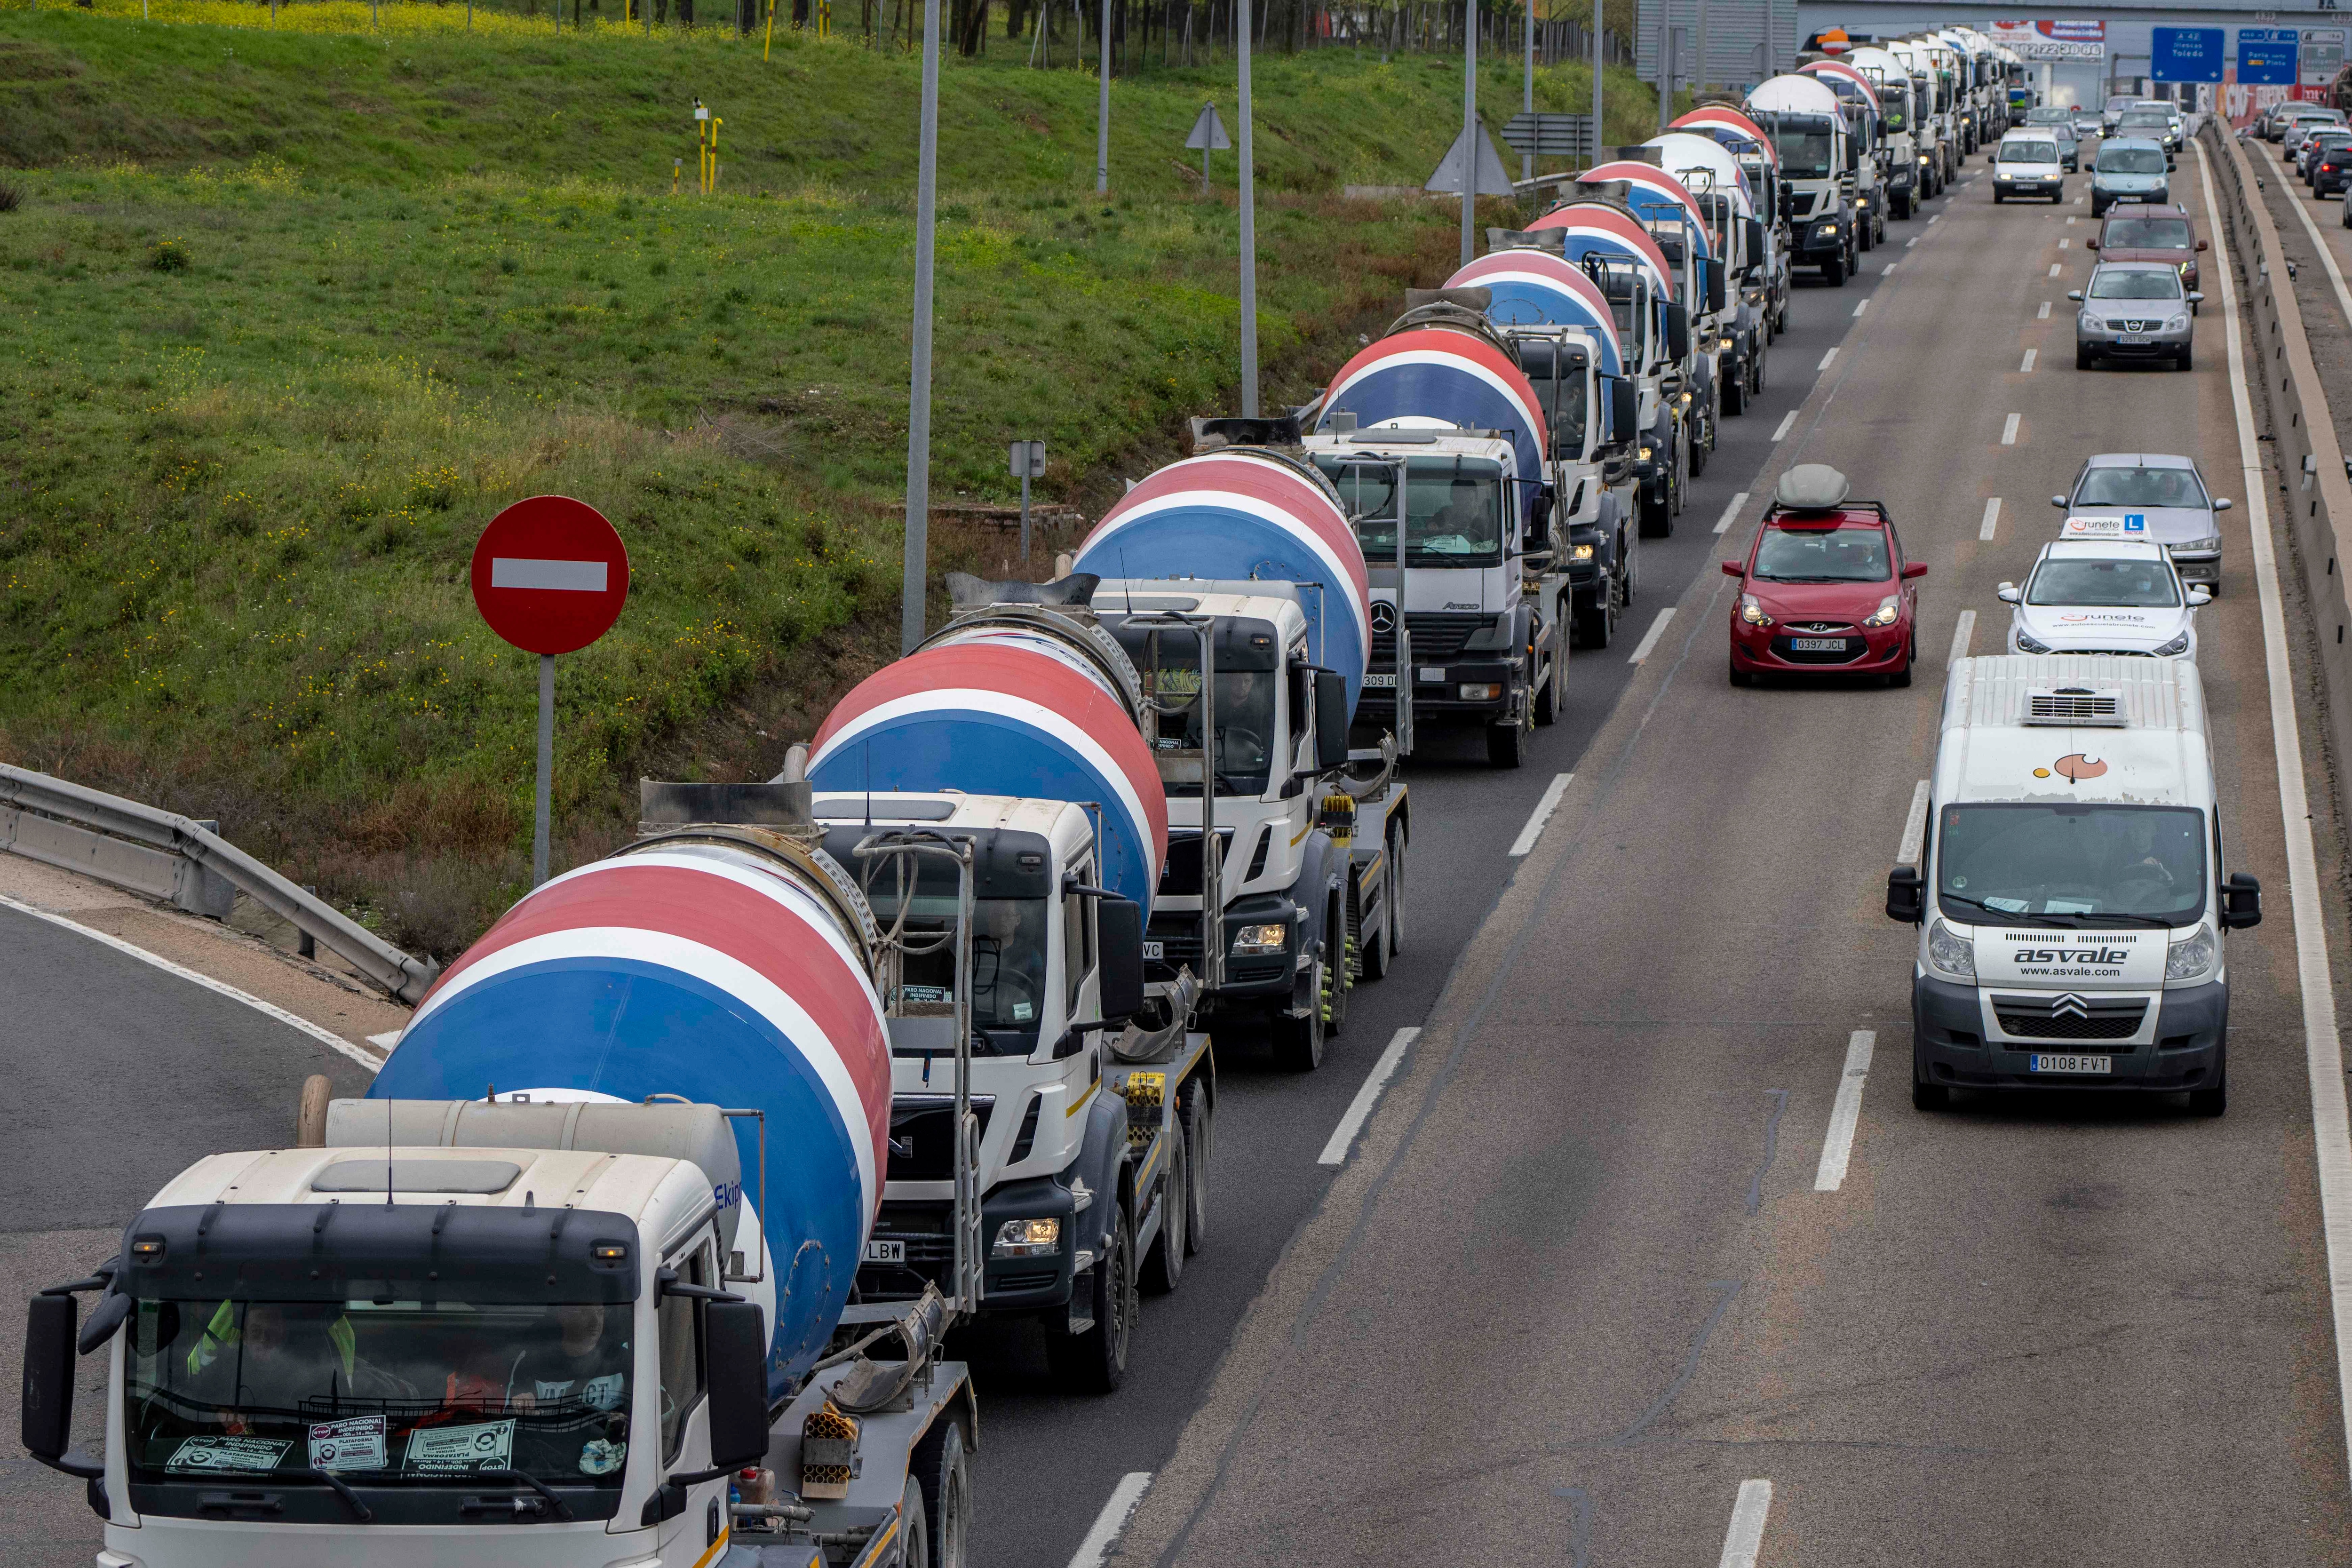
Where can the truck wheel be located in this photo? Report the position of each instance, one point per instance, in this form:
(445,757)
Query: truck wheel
(1382,945)
(1735,394)
(1333,997)
(1678,491)
(1657,517)
(1699,451)
(942,1478)
(1298,1042)
(1554,695)
(914,1526)
(1507,745)
(1164,1264)
(1096,1362)
(1196,1190)
(1833,270)
(2213,1100)
(1865,241)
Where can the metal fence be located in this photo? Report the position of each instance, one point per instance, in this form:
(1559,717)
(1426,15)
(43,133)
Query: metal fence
(184,862)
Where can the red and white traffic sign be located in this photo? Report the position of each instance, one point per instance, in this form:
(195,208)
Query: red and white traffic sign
(551,574)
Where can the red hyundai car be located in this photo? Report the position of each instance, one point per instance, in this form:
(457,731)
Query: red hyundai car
(1825,591)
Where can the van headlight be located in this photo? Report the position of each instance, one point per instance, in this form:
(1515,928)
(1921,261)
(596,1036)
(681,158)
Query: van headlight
(1258,940)
(1949,953)
(2193,959)
(2177,646)
(1888,609)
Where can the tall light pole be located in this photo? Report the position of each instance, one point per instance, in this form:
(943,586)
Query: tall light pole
(1596,83)
(1469,124)
(914,587)
(1527,95)
(1249,222)
(1102,110)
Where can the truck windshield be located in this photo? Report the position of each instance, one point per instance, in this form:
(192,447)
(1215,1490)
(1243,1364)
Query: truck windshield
(1244,718)
(1803,144)
(2140,487)
(1008,944)
(2098,864)
(1453,512)
(2144,584)
(392,1393)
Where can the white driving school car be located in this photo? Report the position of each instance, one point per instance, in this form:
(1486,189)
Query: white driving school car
(2103,596)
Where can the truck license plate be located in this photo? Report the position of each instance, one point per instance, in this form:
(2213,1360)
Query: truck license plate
(1155,949)
(1386,683)
(2041,1063)
(1817,645)
(886,1252)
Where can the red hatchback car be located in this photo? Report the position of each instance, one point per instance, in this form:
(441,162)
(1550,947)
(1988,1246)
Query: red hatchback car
(1824,591)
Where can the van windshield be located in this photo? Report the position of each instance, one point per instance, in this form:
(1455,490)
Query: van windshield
(2072,865)
(2028,152)
(2130,161)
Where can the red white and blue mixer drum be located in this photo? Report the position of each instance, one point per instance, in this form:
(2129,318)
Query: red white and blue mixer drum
(1239,514)
(999,710)
(1590,229)
(1437,374)
(706,971)
(1535,287)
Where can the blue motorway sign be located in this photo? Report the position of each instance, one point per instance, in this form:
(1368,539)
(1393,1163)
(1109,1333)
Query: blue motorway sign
(2187,54)
(2266,56)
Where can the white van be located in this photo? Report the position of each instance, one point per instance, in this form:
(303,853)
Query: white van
(2071,898)
(2027,164)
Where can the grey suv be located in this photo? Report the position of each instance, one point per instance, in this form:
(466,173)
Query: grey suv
(2134,309)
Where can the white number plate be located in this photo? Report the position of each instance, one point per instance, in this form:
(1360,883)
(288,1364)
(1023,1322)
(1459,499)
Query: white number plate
(1386,681)
(886,1252)
(1817,645)
(2072,1064)
(2134,338)
(1155,949)
(1431,672)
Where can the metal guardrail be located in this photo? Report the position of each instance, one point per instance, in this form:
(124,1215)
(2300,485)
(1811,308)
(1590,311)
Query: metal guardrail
(186,862)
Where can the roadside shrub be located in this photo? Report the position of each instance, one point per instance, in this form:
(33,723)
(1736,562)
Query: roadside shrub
(168,256)
(11,196)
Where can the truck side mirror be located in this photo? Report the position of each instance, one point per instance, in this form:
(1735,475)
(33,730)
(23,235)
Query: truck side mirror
(1755,250)
(1907,896)
(1678,332)
(735,1343)
(1119,940)
(1624,408)
(1713,268)
(47,1424)
(1330,719)
(2241,906)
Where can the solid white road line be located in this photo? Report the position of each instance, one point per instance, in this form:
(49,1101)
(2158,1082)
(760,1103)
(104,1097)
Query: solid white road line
(2009,431)
(2322,1047)
(1359,1109)
(1961,633)
(327,1038)
(2028,361)
(1914,827)
(2043,313)
(1789,420)
(1825,360)
(1991,518)
(1838,1146)
(1650,638)
(1112,1519)
(2053,269)
(1731,512)
(1541,815)
(1746,1537)
(1859,306)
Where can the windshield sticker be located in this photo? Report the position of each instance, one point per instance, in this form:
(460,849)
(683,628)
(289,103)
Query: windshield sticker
(942,994)
(602,1457)
(355,1443)
(2075,766)
(202,1455)
(1021,1012)
(488,1446)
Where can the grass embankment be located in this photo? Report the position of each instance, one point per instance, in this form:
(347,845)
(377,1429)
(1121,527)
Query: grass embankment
(293,314)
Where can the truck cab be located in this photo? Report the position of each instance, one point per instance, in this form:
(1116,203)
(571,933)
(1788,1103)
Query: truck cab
(1820,163)
(1080,1195)
(1594,522)
(1863,117)
(2072,896)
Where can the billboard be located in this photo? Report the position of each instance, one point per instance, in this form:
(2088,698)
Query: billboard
(2187,54)
(2266,56)
(2052,40)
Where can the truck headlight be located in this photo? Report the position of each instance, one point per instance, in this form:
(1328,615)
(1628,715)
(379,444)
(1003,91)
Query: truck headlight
(1473,691)
(1826,229)
(1027,1238)
(1753,613)
(1949,953)
(2192,959)
(2174,648)
(1272,937)
(1579,553)
(2030,645)
(1885,616)
(1923,157)
(1646,454)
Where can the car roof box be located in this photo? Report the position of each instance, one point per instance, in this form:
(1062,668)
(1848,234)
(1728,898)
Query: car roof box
(1812,487)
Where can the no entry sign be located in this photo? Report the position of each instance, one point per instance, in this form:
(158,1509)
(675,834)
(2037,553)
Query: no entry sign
(551,574)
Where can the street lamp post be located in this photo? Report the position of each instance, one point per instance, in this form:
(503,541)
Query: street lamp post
(914,587)
(1469,123)
(1249,222)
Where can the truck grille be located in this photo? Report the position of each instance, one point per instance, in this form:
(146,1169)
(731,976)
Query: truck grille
(922,1135)
(1181,876)
(2070,1017)
(1437,635)
(1179,944)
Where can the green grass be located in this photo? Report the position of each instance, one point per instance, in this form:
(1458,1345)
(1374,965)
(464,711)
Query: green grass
(287,333)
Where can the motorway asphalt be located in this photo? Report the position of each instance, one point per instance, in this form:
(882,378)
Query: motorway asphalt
(1575,1286)
(1577,1298)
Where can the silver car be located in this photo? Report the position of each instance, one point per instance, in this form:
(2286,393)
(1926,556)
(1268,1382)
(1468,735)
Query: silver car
(2152,495)
(2129,169)
(2134,309)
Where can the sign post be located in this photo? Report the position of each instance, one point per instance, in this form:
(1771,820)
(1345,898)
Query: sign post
(1208,134)
(1028,463)
(549,576)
